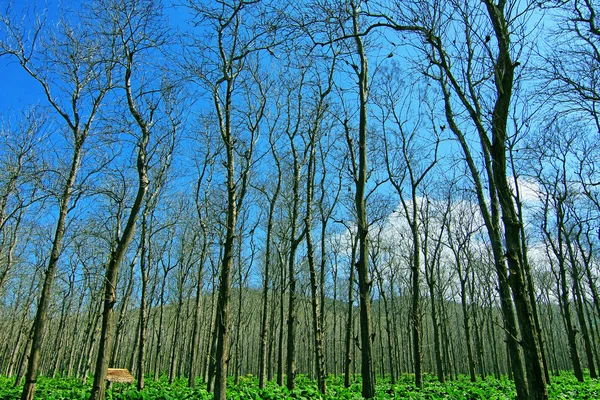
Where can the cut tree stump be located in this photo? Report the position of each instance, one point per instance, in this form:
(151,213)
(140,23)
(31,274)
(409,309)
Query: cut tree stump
(118,375)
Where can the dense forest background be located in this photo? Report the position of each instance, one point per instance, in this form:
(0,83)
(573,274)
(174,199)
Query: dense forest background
(205,189)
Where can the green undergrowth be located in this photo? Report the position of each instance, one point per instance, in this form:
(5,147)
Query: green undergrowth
(564,386)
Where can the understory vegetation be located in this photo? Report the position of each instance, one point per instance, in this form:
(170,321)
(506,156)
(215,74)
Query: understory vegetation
(564,386)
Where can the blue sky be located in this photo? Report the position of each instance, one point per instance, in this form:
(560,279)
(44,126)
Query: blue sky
(18,89)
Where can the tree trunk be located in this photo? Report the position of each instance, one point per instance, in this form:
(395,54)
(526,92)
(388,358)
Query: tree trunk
(83,364)
(39,324)
(74,337)
(123,310)
(272,333)
(290,368)
(176,339)
(362,266)
(416,305)
(195,344)
(318,334)
(566,312)
(143,311)
(238,322)
(117,255)
(60,335)
(280,360)
(23,359)
(436,336)
(223,302)
(295,241)
(528,275)
(466,316)
(491,217)
(212,354)
(106,335)
(579,309)
(350,316)
(504,79)
(264,327)
(390,332)
(23,331)
(334,347)
(491,334)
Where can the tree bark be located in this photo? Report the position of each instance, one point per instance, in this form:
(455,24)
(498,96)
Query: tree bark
(143,310)
(350,317)
(579,308)
(195,344)
(292,313)
(437,348)
(504,79)
(467,329)
(318,334)
(117,255)
(280,358)
(362,265)
(39,324)
(264,329)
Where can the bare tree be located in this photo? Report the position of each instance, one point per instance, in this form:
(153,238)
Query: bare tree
(410,155)
(272,201)
(298,152)
(134,31)
(454,62)
(571,61)
(75,94)
(146,257)
(360,173)
(434,219)
(560,222)
(315,130)
(20,180)
(202,202)
(227,64)
(461,226)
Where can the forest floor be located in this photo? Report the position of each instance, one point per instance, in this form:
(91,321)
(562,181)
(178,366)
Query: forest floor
(564,386)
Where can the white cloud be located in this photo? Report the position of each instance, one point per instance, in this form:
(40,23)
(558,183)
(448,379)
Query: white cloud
(529,190)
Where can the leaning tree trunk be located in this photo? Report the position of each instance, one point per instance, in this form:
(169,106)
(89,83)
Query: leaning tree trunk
(117,255)
(491,218)
(106,335)
(504,79)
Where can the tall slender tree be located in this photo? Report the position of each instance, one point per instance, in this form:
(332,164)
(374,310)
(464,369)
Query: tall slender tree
(85,69)
(402,145)
(272,200)
(134,31)
(229,61)
(446,58)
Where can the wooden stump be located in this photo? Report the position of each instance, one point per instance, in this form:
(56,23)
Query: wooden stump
(118,375)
